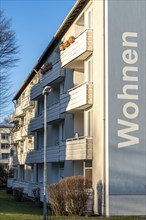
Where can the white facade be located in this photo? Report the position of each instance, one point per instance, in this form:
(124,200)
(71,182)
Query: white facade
(5,142)
(76,109)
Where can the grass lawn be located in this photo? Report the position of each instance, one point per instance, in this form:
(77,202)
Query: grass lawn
(26,210)
(11,210)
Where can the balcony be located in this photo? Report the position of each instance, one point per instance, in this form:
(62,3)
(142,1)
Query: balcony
(18,111)
(77,98)
(56,74)
(24,131)
(27,186)
(12,118)
(36,91)
(16,136)
(79,50)
(53,115)
(5,151)
(5,141)
(54,154)
(36,123)
(4,161)
(26,103)
(79,148)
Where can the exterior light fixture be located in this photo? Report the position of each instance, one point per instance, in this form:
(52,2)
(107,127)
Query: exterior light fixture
(45,93)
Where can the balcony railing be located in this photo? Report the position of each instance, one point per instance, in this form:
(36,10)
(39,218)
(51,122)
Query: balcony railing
(37,156)
(36,91)
(36,123)
(24,131)
(17,136)
(26,103)
(5,151)
(79,50)
(12,118)
(79,148)
(53,114)
(77,98)
(18,111)
(3,160)
(27,186)
(56,74)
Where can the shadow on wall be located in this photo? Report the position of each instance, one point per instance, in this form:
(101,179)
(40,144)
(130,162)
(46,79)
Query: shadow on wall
(100,196)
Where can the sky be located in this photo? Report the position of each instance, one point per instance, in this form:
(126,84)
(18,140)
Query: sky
(34,23)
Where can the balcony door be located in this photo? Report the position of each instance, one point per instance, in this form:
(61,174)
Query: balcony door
(88,123)
(89,18)
(89,70)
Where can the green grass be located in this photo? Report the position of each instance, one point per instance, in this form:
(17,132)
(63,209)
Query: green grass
(12,210)
(27,210)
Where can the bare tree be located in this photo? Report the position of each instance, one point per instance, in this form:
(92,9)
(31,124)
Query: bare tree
(8,59)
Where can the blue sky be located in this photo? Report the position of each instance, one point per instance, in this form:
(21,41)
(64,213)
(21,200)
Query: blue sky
(34,23)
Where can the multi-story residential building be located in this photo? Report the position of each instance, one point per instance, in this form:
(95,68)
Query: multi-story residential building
(22,142)
(76,114)
(5,142)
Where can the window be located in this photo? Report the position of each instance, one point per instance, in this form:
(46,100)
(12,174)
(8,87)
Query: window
(5,146)
(5,156)
(88,170)
(5,136)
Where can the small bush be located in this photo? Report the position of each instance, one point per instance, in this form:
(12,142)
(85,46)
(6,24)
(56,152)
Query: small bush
(9,190)
(56,199)
(36,194)
(17,193)
(70,195)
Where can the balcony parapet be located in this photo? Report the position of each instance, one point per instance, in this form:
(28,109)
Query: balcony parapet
(4,160)
(55,75)
(54,154)
(18,111)
(36,91)
(79,148)
(53,115)
(77,51)
(26,103)
(77,98)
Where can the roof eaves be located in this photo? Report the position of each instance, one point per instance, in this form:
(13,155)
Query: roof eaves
(77,8)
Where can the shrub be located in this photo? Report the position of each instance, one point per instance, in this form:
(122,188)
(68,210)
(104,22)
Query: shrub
(70,195)
(56,199)
(36,194)
(3,176)
(10,190)
(17,193)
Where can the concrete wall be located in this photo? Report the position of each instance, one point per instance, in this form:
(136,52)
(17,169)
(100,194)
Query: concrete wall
(98,107)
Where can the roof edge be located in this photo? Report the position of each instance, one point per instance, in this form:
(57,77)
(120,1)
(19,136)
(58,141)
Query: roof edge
(74,12)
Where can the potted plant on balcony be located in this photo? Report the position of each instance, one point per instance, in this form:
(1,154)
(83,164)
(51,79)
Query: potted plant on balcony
(49,66)
(46,68)
(61,47)
(71,39)
(66,44)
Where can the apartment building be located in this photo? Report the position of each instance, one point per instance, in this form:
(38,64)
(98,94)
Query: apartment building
(5,142)
(22,142)
(81,109)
